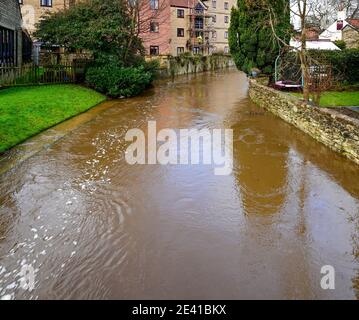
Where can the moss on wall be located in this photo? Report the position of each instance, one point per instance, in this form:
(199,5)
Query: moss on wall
(187,63)
(330,127)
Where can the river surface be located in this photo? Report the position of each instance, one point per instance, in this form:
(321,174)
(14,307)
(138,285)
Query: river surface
(92,226)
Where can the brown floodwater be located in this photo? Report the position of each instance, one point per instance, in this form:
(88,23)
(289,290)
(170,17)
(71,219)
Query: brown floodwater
(94,227)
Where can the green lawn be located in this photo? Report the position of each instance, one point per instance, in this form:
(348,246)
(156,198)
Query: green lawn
(26,111)
(335,99)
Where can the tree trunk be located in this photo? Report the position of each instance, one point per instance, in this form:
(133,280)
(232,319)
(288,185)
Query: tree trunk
(303,52)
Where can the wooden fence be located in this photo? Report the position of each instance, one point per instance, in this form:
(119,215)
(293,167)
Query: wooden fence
(32,74)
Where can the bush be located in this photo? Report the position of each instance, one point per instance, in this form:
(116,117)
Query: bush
(345,64)
(340,44)
(152,67)
(116,81)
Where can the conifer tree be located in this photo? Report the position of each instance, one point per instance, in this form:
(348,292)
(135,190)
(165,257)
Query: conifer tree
(251,38)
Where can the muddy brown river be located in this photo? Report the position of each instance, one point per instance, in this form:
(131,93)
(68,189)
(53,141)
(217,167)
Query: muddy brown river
(92,226)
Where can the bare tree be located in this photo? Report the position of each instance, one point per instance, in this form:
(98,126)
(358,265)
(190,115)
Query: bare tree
(147,16)
(302,9)
(325,12)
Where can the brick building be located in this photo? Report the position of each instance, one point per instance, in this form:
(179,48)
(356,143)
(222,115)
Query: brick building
(181,26)
(168,27)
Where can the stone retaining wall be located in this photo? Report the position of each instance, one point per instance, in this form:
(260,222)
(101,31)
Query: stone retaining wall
(330,127)
(174,66)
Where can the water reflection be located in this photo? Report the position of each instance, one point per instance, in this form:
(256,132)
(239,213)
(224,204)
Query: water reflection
(94,227)
(261,161)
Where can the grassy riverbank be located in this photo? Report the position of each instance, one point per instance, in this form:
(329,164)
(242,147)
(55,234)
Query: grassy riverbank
(26,111)
(337,99)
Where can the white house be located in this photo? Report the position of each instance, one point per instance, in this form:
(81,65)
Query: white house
(315,45)
(334,31)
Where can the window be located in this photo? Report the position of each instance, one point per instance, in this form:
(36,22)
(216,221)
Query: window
(340,25)
(214,19)
(214,4)
(8,47)
(226,19)
(225,34)
(196,50)
(180,13)
(180,50)
(198,23)
(226,6)
(154,4)
(199,9)
(46,3)
(154,50)
(180,32)
(226,49)
(154,27)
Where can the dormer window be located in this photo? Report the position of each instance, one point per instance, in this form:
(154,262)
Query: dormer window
(340,25)
(199,8)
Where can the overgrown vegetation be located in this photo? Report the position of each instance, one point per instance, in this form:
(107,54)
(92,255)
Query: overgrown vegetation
(118,81)
(26,111)
(345,64)
(102,27)
(251,38)
(340,44)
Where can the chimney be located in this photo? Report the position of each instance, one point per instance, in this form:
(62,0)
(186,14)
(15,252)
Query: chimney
(342,15)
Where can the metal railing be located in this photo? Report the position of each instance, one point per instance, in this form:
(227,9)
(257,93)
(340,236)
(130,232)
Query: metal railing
(33,74)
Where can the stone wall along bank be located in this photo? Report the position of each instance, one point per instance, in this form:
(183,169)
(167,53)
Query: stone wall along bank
(328,126)
(188,64)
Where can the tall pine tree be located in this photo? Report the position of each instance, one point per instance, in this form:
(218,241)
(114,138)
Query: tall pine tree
(251,38)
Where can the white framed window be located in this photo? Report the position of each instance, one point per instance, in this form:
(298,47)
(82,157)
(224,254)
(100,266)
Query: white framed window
(180,32)
(154,26)
(180,13)
(46,3)
(154,50)
(180,50)
(154,4)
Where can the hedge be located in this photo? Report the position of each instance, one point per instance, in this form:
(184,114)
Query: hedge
(345,64)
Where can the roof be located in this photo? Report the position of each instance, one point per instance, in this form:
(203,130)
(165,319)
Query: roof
(315,45)
(187,3)
(182,3)
(352,23)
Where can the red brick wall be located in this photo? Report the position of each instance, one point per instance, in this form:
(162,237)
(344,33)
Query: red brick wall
(162,17)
